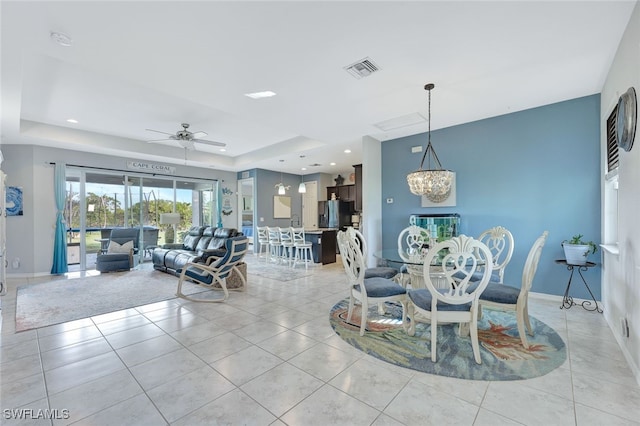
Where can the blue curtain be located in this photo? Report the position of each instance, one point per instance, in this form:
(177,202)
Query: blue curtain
(219,204)
(60,243)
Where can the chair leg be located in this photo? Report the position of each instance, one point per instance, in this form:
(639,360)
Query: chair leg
(434,336)
(351,306)
(527,321)
(474,337)
(363,316)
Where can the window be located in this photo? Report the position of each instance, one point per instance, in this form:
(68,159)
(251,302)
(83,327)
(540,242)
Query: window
(612,144)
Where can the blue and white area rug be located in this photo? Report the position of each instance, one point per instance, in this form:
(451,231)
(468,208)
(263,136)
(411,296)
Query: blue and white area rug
(502,353)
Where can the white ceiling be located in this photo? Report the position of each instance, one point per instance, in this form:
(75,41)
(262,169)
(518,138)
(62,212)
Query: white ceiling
(141,64)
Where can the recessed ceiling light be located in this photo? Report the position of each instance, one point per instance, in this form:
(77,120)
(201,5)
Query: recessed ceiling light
(61,39)
(71,120)
(332,164)
(260,95)
(223,150)
(347,151)
(304,168)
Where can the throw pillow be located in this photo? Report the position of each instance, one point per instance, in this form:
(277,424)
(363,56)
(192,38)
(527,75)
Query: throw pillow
(114,247)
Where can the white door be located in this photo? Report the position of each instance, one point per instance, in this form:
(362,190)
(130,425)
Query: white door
(310,206)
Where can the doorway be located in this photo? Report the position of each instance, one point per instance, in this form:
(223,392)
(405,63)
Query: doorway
(246,200)
(310,206)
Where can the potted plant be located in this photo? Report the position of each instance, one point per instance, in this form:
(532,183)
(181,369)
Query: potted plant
(576,250)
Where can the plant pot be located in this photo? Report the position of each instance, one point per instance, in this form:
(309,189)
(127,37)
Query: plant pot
(576,254)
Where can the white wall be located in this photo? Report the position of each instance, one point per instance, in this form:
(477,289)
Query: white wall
(30,237)
(621,274)
(371,226)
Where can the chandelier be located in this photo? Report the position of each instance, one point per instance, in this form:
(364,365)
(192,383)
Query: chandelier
(282,189)
(434,183)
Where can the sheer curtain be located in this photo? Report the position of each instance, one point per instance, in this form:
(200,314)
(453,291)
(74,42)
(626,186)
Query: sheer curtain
(59,244)
(219,204)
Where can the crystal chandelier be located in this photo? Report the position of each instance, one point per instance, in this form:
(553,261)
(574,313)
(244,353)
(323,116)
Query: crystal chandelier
(434,183)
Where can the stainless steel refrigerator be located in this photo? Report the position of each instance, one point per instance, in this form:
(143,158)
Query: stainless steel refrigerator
(335,213)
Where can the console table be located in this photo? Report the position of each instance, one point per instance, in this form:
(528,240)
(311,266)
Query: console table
(567,301)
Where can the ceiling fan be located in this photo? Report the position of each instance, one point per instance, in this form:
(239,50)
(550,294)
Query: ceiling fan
(186,138)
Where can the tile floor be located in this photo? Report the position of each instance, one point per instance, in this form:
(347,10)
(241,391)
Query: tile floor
(268,356)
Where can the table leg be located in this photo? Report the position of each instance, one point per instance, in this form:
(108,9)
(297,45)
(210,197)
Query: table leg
(588,302)
(567,301)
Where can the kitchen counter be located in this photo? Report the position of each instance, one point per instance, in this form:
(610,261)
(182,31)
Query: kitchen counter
(323,244)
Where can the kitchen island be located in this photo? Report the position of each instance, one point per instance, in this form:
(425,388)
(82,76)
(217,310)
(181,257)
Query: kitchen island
(324,243)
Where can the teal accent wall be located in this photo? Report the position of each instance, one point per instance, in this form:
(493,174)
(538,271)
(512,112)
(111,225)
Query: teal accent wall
(528,171)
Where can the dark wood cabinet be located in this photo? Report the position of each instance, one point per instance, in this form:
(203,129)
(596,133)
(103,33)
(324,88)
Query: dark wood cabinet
(358,188)
(343,192)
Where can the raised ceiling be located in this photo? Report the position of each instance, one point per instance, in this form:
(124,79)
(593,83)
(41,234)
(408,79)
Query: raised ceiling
(140,64)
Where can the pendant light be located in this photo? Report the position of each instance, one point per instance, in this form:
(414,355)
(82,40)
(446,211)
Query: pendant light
(282,189)
(434,183)
(302,188)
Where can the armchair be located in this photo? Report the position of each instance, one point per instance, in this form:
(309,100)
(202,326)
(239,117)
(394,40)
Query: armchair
(214,274)
(121,251)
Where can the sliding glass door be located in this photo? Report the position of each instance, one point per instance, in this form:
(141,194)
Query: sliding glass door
(98,201)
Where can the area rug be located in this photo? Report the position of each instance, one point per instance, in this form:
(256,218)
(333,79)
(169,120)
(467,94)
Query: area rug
(503,356)
(55,302)
(278,272)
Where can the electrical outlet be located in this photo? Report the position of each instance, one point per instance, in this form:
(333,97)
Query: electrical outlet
(624,327)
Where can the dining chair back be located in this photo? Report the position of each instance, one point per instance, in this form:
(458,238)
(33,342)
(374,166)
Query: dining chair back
(509,298)
(376,290)
(302,247)
(460,300)
(413,242)
(375,271)
(500,242)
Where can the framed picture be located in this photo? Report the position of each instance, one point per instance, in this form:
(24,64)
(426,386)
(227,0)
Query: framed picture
(281,207)
(14,201)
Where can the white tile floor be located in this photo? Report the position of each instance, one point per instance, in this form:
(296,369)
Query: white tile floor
(269,356)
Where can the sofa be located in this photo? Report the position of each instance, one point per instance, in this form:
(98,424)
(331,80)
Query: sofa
(200,243)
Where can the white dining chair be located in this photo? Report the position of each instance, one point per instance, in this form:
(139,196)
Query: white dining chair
(413,242)
(287,250)
(459,302)
(509,298)
(263,241)
(302,247)
(364,290)
(275,246)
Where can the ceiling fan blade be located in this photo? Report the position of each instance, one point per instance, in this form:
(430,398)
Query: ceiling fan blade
(198,135)
(158,131)
(206,142)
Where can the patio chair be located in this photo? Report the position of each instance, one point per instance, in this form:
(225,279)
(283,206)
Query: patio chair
(214,274)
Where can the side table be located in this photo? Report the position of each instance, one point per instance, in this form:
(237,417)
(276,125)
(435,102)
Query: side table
(567,301)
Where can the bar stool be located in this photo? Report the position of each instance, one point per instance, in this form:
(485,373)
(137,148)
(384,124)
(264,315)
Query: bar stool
(263,240)
(287,245)
(275,246)
(302,247)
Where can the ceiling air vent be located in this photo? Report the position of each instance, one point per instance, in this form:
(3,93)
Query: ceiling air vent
(362,68)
